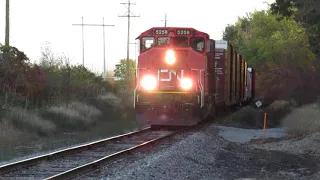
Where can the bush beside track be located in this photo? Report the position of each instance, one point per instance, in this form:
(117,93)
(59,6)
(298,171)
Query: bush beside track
(252,117)
(41,100)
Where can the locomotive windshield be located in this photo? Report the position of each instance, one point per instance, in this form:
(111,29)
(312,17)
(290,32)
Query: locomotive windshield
(179,41)
(162,41)
(196,43)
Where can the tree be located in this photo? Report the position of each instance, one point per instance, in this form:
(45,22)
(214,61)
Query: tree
(278,48)
(305,11)
(261,38)
(121,69)
(284,8)
(49,58)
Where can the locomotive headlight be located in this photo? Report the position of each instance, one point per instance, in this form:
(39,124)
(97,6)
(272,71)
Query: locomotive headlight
(170,57)
(148,82)
(186,83)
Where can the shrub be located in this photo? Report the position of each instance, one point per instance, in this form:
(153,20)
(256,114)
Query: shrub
(8,133)
(277,111)
(28,120)
(75,115)
(303,120)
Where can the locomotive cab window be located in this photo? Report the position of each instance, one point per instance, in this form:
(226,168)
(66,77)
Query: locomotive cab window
(162,41)
(147,43)
(197,44)
(180,41)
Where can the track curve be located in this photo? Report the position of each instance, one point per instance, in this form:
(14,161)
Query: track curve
(69,162)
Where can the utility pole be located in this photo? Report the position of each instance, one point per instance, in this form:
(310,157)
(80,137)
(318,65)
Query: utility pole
(82,25)
(135,57)
(135,50)
(7,31)
(128,14)
(104,45)
(165,20)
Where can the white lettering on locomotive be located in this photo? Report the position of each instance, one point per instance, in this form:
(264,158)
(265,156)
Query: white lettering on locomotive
(169,74)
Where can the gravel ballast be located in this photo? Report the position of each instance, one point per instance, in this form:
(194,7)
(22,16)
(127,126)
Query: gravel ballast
(206,155)
(190,158)
(222,153)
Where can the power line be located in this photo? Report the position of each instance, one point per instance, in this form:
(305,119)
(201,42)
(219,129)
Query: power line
(103,28)
(128,14)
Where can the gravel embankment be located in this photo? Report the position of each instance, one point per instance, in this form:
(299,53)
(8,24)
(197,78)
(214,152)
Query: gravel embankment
(306,145)
(35,148)
(206,155)
(191,158)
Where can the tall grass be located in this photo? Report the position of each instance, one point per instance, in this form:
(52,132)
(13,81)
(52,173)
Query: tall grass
(9,134)
(252,117)
(303,120)
(29,121)
(72,116)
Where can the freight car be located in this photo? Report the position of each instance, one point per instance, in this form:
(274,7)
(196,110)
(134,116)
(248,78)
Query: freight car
(235,81)
(182,78)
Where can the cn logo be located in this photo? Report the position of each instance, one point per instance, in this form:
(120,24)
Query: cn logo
(166,75)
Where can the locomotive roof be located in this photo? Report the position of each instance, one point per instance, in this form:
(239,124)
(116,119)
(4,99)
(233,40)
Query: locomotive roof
(171,28)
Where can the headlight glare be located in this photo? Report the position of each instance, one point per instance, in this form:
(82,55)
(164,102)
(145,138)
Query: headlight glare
(170,57)
(149,82)
(186,83)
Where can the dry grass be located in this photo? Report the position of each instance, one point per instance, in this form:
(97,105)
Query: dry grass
(28,120)
(246,117)
(252,117)
(73,115)
(9,134)
(278,104)
(85,110)
(303,120)
(277,111)
(112,100)
(68,114)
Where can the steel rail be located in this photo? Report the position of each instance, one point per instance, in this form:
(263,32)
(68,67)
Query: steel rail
(64,152)
(78,171)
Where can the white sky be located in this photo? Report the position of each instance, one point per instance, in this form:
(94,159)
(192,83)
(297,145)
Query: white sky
(33,22)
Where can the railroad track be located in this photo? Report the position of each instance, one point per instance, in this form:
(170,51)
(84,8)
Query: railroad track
(71,162)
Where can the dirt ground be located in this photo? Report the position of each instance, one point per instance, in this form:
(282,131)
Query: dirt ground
(243,161)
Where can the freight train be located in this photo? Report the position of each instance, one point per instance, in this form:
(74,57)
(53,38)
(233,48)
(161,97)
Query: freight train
(184,77)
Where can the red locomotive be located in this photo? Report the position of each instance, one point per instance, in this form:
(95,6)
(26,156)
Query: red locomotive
(182,78)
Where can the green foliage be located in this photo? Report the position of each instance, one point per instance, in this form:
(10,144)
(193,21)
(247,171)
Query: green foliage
(125,85)
(261,39)
(121,69)
(304,11)
(283,7)
(54,81)
(278,48)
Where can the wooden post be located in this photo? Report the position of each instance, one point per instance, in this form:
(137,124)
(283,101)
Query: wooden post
(264,124)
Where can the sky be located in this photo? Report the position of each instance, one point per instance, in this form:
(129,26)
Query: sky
(35,22)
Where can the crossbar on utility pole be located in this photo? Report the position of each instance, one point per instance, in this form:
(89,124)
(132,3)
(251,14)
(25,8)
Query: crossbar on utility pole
(104,45)
(128,14)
